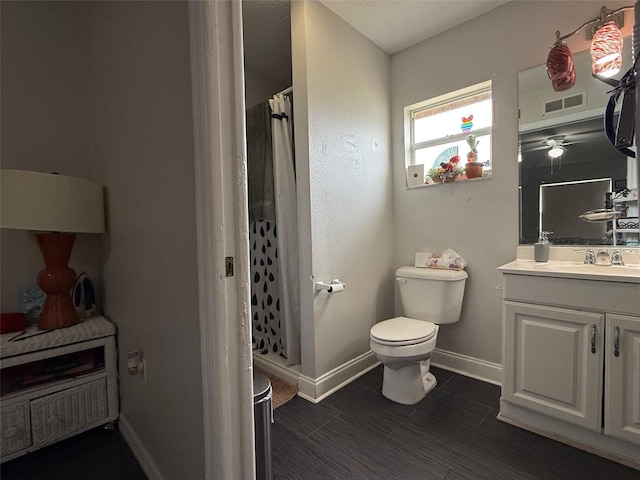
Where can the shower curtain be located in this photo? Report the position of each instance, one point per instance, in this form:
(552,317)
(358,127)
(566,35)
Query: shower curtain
(273,234)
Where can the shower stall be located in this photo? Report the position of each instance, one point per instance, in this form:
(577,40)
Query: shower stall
(273,233)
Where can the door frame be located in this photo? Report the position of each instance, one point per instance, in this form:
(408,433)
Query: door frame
(217,71)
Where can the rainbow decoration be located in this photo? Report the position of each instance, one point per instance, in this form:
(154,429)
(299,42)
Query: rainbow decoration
(467,123)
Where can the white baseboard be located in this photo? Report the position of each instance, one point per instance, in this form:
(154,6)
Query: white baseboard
(287,373)
(139,450)
(315,390)
(468,366)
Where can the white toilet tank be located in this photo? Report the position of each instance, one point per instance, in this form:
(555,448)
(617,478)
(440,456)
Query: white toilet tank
(431,294)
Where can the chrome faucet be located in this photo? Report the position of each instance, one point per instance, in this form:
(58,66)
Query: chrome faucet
(590,257)
(616,259)
(603,257)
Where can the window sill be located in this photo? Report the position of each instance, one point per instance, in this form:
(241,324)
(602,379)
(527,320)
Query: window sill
(461,180)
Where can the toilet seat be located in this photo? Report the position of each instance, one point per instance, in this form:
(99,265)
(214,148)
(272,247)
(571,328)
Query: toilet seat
(401,331)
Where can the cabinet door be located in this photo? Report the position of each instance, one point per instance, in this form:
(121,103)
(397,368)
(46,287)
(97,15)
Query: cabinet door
(622,392)
(71,411)
(15,428)
(552,362)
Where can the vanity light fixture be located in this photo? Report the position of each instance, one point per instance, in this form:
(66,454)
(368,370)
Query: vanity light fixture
(560,68)
(606,49)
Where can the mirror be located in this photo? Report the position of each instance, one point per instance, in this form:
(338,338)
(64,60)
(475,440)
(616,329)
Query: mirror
(555,190)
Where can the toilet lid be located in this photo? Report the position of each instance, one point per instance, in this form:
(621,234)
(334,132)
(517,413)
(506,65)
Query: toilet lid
(402,331)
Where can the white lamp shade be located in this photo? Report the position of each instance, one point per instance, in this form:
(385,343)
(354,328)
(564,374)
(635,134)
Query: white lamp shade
(50,203)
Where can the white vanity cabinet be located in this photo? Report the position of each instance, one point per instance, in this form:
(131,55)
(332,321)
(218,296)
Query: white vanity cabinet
(571,359)
(552,361)
(622,378)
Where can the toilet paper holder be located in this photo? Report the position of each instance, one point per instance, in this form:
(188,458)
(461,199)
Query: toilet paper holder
(334,287)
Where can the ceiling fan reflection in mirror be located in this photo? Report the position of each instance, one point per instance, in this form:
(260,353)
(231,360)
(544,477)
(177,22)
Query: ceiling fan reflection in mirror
(556,147)
(563,135)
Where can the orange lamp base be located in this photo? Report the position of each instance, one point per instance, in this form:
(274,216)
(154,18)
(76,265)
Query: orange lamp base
(57,280)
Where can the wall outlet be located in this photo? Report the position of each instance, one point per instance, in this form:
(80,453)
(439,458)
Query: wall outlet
(136,364)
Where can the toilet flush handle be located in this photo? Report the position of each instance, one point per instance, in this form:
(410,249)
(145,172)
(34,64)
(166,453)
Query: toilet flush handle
(401,280)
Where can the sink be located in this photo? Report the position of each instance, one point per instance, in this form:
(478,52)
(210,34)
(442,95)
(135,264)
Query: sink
(567,262)
(590,268)
(615,273)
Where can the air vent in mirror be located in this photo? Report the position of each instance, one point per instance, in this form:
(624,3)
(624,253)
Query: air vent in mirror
(553,106)
(560,104)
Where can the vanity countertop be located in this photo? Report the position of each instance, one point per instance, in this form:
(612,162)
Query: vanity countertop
(566,263)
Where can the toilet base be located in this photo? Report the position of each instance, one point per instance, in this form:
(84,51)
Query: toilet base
(408,384)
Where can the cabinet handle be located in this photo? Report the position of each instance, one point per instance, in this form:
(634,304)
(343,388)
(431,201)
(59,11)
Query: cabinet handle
(616,342)
(594,330)
(53,420)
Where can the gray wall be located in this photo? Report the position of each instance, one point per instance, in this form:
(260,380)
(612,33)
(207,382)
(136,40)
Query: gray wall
(102,90)
(45,107)
(344,185)
(478,219)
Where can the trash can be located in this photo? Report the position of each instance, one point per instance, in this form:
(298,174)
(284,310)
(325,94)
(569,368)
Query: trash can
(262,418)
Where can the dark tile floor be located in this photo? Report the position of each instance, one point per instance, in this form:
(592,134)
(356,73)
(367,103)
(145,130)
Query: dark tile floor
(93,455)
(452,434)
(356,433)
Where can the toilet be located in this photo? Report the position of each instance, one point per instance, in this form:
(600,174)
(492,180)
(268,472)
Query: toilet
(430,298)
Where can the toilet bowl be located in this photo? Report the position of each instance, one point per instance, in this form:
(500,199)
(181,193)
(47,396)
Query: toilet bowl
(404,344)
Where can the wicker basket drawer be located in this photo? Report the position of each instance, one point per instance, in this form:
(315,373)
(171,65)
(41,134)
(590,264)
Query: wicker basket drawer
(15,428)
(65,413)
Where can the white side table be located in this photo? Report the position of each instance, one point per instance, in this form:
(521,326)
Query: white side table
(56,384)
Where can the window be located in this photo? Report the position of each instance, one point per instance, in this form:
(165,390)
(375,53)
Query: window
(437,130)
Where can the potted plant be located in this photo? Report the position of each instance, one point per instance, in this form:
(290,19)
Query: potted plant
(446,172)
(473,168)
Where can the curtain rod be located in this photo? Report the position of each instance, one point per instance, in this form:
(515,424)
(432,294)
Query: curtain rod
(285,91)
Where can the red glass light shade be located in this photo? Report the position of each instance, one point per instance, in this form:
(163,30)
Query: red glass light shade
(606,50)
(560,68)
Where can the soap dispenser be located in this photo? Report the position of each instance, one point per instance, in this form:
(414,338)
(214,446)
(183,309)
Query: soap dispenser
(541,248)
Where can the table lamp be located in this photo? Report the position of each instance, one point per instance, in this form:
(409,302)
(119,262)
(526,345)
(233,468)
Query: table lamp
(57,207)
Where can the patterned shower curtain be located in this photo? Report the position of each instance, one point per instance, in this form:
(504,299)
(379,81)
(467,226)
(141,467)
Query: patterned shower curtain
(273,236)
